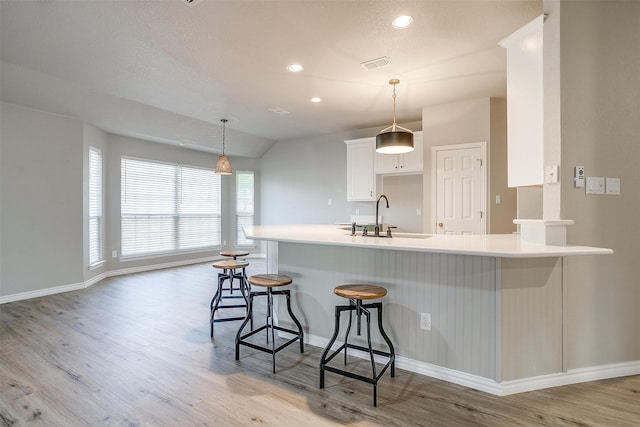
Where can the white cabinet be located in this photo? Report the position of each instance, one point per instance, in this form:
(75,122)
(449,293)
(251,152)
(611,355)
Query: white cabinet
(524,105)
(361,178)
(401,163)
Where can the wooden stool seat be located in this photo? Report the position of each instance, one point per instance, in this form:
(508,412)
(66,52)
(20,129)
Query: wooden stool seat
(270,280)
(234,254)
(361,292)
(226,264)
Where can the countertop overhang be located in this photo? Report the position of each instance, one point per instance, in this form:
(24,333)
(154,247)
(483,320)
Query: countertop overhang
(494,245)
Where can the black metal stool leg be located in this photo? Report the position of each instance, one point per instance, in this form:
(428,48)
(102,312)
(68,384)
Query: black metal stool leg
(346,334)
(295,320)
(323,359)
(392,352)
(215,301)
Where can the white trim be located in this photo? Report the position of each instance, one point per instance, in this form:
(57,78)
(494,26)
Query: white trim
(505,388)
(41,292)
(92,281)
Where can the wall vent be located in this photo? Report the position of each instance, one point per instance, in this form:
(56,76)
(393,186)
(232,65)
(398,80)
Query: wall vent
(376,63)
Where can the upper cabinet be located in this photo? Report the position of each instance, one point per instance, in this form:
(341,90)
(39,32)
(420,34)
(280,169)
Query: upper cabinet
(411,162)
(524,105)
(361,179)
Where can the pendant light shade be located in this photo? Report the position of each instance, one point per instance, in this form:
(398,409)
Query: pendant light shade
(394,139)
(223,167)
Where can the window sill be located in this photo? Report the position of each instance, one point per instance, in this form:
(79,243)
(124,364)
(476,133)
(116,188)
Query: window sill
(156,255)
(97,265)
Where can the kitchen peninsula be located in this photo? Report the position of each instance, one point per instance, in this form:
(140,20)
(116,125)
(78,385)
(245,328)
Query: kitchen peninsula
(496,302)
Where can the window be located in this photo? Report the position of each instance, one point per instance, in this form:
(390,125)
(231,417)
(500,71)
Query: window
(244,206)
(168,208)
(95,206)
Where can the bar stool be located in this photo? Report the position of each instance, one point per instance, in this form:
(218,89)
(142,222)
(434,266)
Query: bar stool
(269,281)
(234,254)
(230,271)
(356,293)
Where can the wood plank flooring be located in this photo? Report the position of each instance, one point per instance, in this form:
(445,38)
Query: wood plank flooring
(135,351)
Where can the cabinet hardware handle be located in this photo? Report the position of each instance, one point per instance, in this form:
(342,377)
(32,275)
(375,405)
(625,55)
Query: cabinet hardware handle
(440,224)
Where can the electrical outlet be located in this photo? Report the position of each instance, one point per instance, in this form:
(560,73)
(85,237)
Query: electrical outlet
(425,321)
(114,254)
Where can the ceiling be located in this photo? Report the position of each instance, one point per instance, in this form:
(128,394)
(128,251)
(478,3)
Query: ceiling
(168,71)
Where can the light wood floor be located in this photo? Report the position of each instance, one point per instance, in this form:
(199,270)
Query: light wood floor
(135,351)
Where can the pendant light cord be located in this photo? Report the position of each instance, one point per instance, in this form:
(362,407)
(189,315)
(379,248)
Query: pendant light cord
(224,126)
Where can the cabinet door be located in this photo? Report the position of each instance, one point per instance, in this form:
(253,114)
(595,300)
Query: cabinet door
(361,183)
(386,163)
(412,161)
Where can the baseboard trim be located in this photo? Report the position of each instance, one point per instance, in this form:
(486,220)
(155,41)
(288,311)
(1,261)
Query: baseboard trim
(505,388)
(99,277)
(41,292)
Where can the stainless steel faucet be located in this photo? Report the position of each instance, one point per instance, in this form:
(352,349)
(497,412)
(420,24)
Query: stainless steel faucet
(376,230)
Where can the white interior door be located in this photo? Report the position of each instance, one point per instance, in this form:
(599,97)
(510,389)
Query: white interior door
(460,189)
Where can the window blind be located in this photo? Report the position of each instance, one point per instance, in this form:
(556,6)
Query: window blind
(244,205)
(168,208)
(95,206)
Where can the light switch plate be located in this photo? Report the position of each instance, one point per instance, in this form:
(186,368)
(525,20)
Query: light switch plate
(595,185)
(551,173)
(613,186)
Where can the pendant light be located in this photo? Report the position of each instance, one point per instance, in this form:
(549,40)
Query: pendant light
(223,167)
(394,139)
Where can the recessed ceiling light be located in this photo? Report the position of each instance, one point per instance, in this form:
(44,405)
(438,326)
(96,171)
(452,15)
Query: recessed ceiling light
(294,68)
(315,99)
(402,22)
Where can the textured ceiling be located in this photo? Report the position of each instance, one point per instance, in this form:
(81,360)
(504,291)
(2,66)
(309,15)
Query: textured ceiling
(168,72)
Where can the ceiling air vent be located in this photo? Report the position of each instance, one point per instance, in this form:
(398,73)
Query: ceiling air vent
(192,3)
(278,110)
(376,63)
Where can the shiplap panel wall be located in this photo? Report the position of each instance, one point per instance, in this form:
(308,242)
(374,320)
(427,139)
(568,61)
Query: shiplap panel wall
(459,291)
(531,317)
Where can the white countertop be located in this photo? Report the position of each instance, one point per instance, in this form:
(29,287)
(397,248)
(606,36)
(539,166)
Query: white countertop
(496,245)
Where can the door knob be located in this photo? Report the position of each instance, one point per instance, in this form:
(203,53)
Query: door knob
(440,224)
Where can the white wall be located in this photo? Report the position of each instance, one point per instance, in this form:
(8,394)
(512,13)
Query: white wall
(599,88)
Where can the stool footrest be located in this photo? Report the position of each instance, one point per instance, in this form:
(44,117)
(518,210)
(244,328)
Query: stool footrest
(228,319)
(361,348)
(369,380)
(266,349)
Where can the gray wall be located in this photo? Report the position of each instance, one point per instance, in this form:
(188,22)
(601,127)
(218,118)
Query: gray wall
(464,122)
(599,87)
(299,177)
(123,146)
(42,200)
